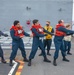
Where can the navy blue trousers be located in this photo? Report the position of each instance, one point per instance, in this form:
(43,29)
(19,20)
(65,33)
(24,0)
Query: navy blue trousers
(59,45)
(67,45)
(37,43)
(15,46)
(47,43)
(1,52)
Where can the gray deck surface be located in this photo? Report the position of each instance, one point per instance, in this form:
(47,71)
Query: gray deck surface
(4,69)
(42,68)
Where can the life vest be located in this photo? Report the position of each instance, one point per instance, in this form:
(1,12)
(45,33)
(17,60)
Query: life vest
(48,28)
(59,33)
(18,30)
(38,28)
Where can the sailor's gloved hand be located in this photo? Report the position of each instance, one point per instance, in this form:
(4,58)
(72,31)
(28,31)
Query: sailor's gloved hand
(5,35)
(21,36)
(45,34)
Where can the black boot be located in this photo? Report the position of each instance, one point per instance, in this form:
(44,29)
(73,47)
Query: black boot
(10,63)
(25,59)
(29,63)
(54,62)
(69,53)
(65,59)
(46,59)
(40,54)
(3,60)
(48,54)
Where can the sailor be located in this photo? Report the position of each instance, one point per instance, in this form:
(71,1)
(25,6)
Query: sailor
(38,34)
(60,32)
(1,50)
(17,33)
(48,39)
